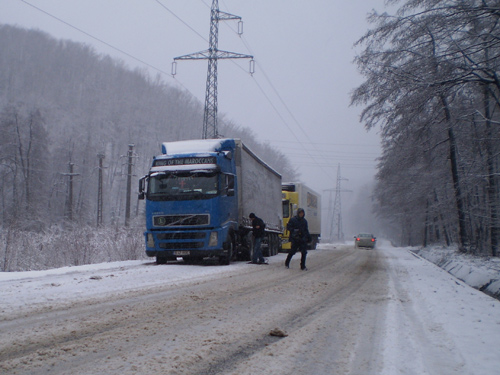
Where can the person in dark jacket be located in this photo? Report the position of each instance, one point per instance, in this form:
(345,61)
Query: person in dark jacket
(299,237)
(258,226)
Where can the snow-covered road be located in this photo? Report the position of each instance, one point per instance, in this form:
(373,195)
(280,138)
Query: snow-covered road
(354,312)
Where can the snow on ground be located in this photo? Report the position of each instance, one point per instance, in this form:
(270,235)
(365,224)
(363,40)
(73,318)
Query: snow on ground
(482,273)
(433,323)
(32,289)
(475,330)
(466,317)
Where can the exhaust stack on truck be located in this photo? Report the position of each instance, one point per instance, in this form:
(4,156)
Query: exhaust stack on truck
(198,196)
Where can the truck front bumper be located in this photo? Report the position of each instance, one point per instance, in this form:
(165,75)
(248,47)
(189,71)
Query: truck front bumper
(188,243)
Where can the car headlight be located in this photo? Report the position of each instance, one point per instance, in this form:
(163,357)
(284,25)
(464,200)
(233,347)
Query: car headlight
(214,238)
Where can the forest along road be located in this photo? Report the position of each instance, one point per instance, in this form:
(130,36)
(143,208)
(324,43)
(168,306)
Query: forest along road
(352,312)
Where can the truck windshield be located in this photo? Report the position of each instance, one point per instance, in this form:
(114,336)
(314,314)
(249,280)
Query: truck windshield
(183,185)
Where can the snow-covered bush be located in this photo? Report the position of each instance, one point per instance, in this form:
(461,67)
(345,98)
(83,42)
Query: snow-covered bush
(22,250)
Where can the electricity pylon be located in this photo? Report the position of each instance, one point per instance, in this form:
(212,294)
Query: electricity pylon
(335,214)
(212,54)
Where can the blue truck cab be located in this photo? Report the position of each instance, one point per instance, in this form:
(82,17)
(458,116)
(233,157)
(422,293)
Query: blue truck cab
(191,198)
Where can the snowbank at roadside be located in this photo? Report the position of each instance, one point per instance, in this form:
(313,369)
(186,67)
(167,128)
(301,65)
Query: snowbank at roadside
(482,273)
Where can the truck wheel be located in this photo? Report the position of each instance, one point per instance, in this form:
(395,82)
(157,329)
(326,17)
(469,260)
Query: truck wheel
(161,260)
(225,260)
(250,247)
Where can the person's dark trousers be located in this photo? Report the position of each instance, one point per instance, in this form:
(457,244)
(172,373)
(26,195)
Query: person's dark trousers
(297,247)
(257,251)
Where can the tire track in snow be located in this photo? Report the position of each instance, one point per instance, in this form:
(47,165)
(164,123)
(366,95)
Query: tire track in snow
(57,333)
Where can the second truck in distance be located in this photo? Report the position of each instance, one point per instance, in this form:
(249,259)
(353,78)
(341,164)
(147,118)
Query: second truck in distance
(297,195)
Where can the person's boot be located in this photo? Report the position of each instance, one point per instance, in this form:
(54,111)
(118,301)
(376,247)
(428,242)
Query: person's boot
(303,265)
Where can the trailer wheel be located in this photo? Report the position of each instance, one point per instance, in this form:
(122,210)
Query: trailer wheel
(272,244)
(265,245)
(277,244)
(314,243)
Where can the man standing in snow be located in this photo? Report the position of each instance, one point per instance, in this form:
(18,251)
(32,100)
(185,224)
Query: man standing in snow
(299,237)
(258,232)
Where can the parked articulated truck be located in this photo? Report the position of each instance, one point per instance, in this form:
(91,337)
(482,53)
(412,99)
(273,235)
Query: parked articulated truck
(297,195)
(199,195)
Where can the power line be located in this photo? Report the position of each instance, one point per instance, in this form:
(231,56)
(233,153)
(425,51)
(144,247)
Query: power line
(95,38)
(327,143)
(333,165)
(276,91)
(261,68)
(338,153)
(108,44)
(207,5)
(277,112)
(183,22)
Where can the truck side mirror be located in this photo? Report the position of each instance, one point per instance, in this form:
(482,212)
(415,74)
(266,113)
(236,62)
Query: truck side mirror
(142,184)
(229,185)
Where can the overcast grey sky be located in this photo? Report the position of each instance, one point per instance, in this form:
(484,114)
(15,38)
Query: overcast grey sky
(298,98)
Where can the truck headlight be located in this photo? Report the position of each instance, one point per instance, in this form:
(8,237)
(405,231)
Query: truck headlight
(214,239)
(151,240)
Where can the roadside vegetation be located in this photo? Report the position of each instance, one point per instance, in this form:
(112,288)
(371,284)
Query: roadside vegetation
(432,88)
(63,109)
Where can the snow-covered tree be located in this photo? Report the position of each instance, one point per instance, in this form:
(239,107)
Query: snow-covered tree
(432,86)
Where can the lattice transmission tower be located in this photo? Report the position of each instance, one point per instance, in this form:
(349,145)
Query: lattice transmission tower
(212,54)
(335,212)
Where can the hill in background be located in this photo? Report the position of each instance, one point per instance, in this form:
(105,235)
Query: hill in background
(62,103)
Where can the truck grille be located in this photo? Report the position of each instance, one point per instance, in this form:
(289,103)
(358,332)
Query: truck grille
(180,220)
(181,236)
(181,245)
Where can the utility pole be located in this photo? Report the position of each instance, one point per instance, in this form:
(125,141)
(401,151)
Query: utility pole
(335,214)
(129,183)
(70,193)
(69,207)
(212,55)
(99,191)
